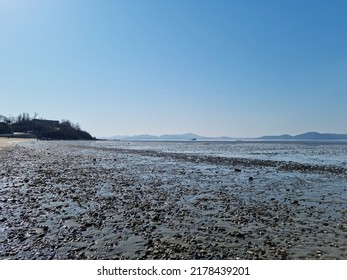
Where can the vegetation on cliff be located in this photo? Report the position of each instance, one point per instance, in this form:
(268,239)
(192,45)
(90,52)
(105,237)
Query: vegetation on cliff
(41,128)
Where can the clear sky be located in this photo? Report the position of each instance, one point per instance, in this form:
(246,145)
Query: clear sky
(239,68)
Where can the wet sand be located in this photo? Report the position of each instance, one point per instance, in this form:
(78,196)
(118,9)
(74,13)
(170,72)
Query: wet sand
(7,142)
(64,200)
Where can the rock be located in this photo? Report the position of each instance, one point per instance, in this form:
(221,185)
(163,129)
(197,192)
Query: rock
(155,218)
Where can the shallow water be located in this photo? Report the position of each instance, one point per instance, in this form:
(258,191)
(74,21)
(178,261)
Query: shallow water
(320,153)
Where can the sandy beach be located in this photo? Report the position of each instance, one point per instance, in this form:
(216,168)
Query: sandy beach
(7,142)
(70,200)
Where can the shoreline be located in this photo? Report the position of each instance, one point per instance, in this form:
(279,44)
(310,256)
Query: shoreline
(63,201)
(8,142)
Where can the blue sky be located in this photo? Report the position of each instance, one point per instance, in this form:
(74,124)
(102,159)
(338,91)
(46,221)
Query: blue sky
(239,68)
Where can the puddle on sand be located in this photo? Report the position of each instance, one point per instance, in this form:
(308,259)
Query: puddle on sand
(133,246)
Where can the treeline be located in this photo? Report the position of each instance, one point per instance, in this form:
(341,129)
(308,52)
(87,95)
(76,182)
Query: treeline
(19,118)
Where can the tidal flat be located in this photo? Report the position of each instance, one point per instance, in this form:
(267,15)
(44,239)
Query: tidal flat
(96,200)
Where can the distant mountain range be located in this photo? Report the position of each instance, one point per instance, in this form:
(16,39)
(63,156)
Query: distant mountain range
(192,136)
(307,136)
(183,137)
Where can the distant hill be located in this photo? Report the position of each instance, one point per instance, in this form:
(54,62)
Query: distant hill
(140,137)
(42,129)
(192,136)
(168,137)
(186,136)
(63,131)
(307,136)
(280,137)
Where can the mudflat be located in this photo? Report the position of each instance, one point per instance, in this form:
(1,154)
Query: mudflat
(71,200)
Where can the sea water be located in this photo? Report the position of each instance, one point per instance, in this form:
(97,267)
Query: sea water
(309,152)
